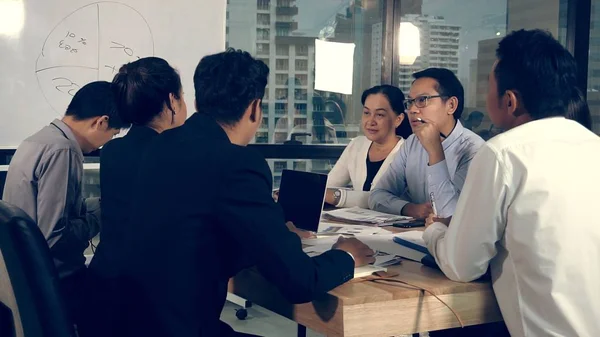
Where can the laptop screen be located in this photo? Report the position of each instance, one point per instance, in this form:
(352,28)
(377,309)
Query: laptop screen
(301,195)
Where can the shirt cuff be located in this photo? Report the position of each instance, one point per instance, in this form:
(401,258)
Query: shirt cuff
(437,173)
(343,196)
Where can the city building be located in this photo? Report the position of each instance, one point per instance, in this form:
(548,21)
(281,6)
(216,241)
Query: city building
(440,46)
(376,52)
(268,30)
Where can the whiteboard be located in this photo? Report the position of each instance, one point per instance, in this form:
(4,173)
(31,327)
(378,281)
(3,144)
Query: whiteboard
(49,49)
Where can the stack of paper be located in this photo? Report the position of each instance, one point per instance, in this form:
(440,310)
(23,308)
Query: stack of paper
(330,228)
(385,243)
(356,215)
(382,260)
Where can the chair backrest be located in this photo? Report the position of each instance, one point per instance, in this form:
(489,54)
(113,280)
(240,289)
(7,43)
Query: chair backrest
(33,277)
(10,321)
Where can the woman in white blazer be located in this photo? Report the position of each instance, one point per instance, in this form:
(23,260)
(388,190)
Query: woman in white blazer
(367,157)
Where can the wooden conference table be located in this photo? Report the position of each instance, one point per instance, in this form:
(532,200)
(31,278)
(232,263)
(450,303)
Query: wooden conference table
(371,308)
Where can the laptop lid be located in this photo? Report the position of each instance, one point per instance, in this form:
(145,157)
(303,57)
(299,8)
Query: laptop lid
(302,195)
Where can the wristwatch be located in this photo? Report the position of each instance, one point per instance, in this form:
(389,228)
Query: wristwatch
(337,195)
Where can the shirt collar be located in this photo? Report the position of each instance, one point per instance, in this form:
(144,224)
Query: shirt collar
(66,131)
(454,135)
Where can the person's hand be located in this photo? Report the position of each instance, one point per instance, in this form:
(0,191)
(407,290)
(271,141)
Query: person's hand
(428,134)
(302,234)
(433,218)
(417,211)
(329,198)
(362,254)
(276,195)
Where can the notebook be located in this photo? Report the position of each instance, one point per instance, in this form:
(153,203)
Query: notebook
(301,196)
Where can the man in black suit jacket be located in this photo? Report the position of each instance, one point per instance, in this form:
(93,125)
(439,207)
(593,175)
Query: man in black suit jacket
(202,211)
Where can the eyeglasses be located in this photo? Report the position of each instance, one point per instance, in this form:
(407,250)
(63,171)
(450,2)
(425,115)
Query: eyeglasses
(420,101)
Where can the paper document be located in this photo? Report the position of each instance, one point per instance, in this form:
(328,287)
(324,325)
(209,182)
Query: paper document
(357,215)
(415,237)
(412,240)
(325,240)
(381,243)
(367,270)
(382,259)
(385,243)
(330,228)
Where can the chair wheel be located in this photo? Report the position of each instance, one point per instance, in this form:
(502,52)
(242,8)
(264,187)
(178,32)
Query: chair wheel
(241,314)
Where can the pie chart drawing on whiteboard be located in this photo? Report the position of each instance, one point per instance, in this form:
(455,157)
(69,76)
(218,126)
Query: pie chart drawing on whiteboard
(90,44)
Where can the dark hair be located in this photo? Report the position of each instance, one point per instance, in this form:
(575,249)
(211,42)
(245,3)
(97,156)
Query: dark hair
(448,86)
(143,87)
(395,97)
(226,83)
(96,99)
(539,68)
(578,109)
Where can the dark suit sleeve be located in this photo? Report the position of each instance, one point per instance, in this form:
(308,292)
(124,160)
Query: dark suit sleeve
(247,212)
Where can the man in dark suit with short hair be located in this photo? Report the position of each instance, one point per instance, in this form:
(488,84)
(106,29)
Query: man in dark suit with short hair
(202,211)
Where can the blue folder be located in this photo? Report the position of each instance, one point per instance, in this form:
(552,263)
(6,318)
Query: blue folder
(411,245)
(428,260)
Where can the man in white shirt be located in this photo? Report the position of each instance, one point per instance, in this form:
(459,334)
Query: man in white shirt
(526,208)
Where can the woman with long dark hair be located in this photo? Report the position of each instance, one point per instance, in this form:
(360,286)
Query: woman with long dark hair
(367,157)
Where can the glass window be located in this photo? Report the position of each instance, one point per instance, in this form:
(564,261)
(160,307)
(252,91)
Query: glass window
(261,33)
(263,19)
(281,79)
(91,181)
(593,91)
(282,50)
(262,5)
(448,36)
(294,25)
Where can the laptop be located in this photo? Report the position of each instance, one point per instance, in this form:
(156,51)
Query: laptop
(302,196)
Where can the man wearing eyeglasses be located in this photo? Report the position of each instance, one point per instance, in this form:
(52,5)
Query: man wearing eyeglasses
(434,160)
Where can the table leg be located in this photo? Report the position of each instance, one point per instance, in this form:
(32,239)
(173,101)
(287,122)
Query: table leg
(301,331)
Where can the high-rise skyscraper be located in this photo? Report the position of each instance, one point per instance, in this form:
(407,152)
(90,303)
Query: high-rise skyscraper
(268,30)
(440,45)
(376,52)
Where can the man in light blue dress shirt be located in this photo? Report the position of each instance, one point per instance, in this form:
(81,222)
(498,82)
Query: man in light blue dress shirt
(436,158)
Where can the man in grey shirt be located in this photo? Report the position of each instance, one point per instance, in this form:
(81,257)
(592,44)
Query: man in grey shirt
(45,174)
(434,160)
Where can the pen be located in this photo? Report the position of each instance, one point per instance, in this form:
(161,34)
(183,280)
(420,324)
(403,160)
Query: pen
(422,121)
(432,199)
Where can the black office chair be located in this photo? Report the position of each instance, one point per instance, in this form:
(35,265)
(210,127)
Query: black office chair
(31,291)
